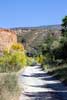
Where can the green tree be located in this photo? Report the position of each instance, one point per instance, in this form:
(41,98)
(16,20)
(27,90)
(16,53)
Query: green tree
(64,26)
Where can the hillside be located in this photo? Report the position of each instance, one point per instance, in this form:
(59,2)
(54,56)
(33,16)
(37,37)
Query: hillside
(35,35)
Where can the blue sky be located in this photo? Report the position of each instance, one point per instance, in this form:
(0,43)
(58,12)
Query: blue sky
(24,13)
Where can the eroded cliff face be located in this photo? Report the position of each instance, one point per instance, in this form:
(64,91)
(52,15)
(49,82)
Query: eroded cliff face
(7,38)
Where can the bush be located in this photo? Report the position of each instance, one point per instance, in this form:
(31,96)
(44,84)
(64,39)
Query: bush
(17,46)
(13,61)
(40,59)
(30,61)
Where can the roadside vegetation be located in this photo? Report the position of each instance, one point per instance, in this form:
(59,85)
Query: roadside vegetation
(11,62)
(54,53)
(13,59)
(9,88)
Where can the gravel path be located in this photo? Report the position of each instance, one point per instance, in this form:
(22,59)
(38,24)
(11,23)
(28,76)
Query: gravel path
(38,85)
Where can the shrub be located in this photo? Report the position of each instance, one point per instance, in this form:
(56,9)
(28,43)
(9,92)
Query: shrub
(40,59)
(13,61)
(6,51)
(55,44)
(20,58)
(30,60)
(17,46)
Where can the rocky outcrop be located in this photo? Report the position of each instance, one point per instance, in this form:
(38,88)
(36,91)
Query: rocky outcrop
(7,38)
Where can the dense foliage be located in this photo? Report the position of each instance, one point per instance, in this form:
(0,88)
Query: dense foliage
(14,59)
(55,52)
(55,49)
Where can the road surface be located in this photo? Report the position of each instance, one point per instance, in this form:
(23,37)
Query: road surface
(38,85)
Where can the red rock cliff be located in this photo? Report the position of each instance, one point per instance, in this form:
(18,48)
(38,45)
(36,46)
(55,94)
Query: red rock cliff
(7,38)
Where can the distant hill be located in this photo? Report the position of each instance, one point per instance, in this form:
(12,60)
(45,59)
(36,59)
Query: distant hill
(35,35)
(52,27)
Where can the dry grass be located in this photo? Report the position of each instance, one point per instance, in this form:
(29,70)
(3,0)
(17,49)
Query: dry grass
(9,89)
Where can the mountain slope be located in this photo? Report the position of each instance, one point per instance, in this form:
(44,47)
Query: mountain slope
(35,35)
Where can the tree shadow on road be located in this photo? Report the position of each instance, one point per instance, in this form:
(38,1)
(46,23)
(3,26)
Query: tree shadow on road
(44,96)
(60,92)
